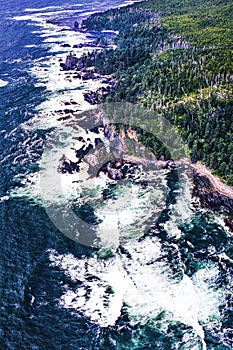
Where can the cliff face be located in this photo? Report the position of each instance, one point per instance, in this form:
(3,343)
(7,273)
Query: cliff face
(210,196)
(213,194)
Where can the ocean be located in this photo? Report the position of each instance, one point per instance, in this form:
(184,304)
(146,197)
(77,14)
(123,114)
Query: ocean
(162,278)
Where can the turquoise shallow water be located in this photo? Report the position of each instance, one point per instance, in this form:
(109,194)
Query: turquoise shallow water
(167,287)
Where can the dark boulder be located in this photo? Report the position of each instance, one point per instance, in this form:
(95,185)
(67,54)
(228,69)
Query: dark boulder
(68,166)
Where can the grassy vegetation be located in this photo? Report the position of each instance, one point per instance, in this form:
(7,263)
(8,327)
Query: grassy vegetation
(176,57)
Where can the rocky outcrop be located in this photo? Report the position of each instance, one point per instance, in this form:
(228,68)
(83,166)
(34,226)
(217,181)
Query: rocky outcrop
(119,169)
(70,63)
(213,193)
(95,97)
(210,196)
(67,166)
(92,44)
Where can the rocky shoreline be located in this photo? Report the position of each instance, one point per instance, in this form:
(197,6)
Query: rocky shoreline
(83,71)
(211,191)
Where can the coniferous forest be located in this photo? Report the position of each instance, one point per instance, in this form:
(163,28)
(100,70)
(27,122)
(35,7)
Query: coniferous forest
(176,57)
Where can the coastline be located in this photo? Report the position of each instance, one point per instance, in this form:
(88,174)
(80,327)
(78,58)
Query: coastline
(215,182)
(212,192)
(113,239)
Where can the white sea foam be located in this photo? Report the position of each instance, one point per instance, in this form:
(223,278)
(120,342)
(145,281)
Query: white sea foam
(208,296)
(79,10)
(48,8)
(60,85)
(127,217)
(181,211)
(3,83)
(128,2)
(4,198)
(30,188)
(144,285)
(43,16)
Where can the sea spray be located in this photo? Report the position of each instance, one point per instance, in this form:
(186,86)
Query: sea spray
(143,283)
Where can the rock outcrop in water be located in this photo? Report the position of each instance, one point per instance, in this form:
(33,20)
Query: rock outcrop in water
(71,62)
(95,97)
(67,166)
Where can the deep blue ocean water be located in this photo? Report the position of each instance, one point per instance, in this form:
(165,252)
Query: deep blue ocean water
(170,289)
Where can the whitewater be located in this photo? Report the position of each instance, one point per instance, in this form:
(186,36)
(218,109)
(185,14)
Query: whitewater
(160,276)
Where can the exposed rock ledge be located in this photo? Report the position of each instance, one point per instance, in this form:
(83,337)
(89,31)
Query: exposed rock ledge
(212,192)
